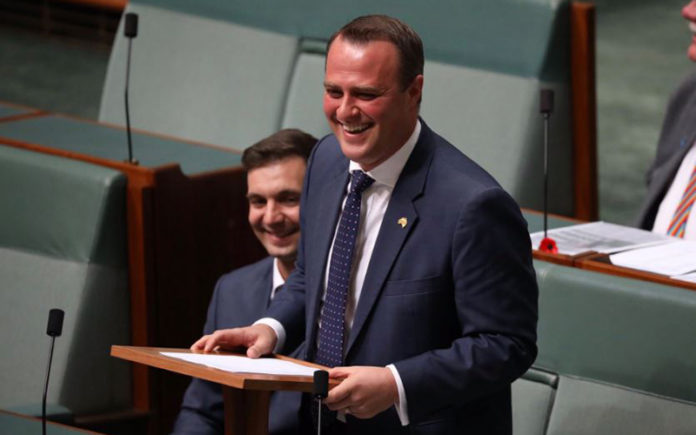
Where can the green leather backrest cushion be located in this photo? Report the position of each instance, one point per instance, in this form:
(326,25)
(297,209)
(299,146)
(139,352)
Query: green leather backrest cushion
(617,330)
(62,208)
(84,378)
(200,78)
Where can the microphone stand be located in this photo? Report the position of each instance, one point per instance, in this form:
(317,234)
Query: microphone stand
(546,107)
(45,393)
(54,329)
(130,30)
(320,390)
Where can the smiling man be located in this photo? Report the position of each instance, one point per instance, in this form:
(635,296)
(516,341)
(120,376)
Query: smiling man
(668,205)
(275,169)
(414,278)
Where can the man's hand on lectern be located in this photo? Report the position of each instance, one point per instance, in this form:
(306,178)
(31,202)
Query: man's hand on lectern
(259,340)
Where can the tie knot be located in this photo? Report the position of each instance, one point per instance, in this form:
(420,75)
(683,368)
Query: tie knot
(360,181)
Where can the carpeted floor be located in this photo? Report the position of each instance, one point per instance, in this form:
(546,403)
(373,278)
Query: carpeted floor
(56,74)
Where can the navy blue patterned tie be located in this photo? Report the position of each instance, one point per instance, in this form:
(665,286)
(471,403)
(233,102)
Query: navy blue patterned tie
(332,327)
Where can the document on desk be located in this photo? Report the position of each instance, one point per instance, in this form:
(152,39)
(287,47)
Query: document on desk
(675,258)
(242,364)
(601,237)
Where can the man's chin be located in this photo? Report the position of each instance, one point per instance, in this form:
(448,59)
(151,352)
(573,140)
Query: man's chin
(281,252)
(288,258)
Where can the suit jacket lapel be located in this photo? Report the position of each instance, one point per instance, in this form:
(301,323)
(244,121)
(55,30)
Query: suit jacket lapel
(268,283)
(392,234)
(326,212)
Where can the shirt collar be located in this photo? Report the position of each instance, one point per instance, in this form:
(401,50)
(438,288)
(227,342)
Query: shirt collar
(278,279)
(389,170)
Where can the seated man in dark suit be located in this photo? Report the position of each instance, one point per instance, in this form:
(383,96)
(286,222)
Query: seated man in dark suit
(275,170)
(672,175)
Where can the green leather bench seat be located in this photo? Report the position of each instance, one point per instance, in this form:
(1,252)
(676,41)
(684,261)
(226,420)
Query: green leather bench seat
(12,424)
(111,143)
(62,245)
(234,72)
(586,407)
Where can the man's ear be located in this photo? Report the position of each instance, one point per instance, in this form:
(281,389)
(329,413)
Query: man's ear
(415,90)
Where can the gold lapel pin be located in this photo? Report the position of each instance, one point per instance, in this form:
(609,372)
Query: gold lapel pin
(403,222)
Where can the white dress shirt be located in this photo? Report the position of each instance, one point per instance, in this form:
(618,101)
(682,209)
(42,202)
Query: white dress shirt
(375,200)
(278,279)
(674,196)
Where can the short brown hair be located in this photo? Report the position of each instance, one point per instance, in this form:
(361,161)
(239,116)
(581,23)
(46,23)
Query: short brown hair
(289,142)
(370,28)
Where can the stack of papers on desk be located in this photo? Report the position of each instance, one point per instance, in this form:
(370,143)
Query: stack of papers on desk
(242,364)
(601,237)
(676,259)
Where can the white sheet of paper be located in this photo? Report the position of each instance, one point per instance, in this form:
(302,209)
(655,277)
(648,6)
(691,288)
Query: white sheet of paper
(676,258)
(600,237)
(242,364)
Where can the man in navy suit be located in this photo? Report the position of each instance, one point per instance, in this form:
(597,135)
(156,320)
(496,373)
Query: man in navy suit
(440,312)
(275,170)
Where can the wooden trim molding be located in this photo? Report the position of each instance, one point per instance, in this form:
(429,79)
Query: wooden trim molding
(584,110)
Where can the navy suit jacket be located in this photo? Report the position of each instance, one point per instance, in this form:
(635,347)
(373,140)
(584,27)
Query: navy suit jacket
(240,298)
(450,299)
(677,136)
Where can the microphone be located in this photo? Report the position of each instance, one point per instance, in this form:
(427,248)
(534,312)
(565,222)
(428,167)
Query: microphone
(546,108)
(319,391)
(53,329)
(130,30)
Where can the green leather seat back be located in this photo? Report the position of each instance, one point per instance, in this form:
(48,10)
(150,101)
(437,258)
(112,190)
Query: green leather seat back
(199,78)
(233,72)
(62,245)
(615,330)
(623,351)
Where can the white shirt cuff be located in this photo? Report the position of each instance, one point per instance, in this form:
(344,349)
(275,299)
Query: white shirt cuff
(402,406)
(277,328)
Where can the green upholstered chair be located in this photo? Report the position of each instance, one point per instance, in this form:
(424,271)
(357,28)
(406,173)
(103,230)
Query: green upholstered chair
(624,351)
(230,73)
(62,245)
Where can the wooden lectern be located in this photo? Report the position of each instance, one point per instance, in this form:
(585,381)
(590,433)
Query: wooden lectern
(246,395)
